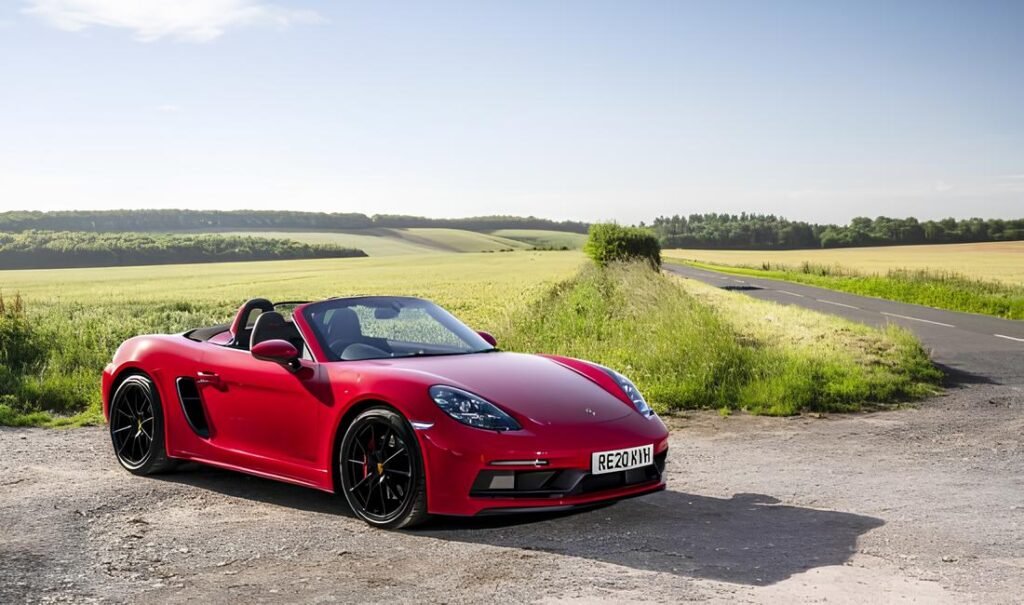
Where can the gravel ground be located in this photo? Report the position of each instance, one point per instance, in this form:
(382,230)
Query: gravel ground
(916,505)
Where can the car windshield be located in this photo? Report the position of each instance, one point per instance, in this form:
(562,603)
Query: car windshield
(383,327)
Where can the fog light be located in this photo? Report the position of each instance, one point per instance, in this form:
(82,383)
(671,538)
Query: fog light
(503,480)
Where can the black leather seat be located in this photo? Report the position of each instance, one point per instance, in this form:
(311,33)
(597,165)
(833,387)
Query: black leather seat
(344,326)
(243,324)
(271,325)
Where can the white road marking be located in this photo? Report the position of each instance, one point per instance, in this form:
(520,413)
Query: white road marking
(1008,337)
(927,321)
(739,281)
(790,293)
(838,304)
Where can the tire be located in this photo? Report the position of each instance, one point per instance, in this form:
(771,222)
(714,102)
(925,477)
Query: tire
(380,470)
(137,427)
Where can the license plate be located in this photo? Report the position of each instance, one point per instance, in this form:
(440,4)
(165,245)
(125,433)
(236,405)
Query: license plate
(621,460)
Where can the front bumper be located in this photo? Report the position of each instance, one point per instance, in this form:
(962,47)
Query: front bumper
(460,464)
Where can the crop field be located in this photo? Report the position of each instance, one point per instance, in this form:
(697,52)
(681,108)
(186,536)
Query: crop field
(473,285)
(82,315)
(458,240)
(393,242)
(374,242)
(540,238)
(998,261)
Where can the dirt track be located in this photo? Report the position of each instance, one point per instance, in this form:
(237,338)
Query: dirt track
(922,505)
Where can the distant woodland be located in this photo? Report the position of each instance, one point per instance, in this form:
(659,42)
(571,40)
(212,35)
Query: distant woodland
(54,249)
(709,231)
(766,231)
(256,220)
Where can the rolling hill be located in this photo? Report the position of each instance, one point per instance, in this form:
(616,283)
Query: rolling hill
(393,242)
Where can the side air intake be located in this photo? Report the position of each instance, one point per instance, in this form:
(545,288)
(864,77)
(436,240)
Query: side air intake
(192,406)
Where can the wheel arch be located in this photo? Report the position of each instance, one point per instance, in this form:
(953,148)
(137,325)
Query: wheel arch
(122,375)
(125,372)
(345,421)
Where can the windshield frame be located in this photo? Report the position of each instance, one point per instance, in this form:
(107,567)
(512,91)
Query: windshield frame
(308,312)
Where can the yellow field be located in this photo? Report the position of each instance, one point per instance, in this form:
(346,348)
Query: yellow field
(474,286)
(1001,261)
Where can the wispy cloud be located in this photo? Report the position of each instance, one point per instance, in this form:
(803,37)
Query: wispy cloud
(168,108)
(150,20)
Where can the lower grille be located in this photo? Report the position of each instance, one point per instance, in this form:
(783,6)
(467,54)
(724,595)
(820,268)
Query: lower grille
(555,483)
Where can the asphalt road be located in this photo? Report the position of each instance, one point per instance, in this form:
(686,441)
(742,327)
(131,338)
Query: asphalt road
(970,348)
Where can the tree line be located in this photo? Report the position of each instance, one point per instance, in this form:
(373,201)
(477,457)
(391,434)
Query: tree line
(59,249)
(767,231)
(258,220)
(712,230)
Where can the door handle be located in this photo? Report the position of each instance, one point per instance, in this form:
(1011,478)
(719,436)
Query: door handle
(209,378)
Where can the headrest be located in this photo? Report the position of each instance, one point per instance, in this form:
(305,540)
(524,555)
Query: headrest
(270,325)
(245,311)
(344,324)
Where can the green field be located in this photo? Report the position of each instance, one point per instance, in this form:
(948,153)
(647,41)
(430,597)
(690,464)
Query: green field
(539,238)
(458,240)
(374,242)
(80,316)
(393,242)
(997,261)
(475,286)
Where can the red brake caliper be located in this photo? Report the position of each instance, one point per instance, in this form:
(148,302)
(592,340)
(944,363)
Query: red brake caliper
(370,447)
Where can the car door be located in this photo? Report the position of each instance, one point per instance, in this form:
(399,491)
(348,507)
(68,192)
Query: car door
(263,415)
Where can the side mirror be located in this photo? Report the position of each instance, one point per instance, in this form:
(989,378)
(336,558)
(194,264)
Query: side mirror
(487,336)
(278,351)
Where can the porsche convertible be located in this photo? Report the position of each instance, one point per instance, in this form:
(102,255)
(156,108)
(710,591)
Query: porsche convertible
(389,401)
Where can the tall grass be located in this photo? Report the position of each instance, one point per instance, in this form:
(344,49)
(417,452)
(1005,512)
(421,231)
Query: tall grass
(685,352)
(75,341)
(940,289)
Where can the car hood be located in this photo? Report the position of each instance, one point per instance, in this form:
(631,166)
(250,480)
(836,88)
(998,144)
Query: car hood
(529,386)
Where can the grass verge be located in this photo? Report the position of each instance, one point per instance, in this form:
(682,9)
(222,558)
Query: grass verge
(688,347)
(937,289)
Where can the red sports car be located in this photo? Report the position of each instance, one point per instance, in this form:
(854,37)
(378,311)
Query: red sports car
(390,401)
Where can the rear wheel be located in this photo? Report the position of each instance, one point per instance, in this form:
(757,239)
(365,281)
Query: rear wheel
(381,470)
(137,427)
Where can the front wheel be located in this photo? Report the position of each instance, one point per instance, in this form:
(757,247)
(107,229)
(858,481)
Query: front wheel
(137,427)
(381,470)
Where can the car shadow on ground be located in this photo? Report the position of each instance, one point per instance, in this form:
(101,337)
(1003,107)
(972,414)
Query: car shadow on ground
(747,538)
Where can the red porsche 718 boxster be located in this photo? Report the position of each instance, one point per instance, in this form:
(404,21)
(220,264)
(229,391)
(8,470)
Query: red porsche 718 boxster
(389,401)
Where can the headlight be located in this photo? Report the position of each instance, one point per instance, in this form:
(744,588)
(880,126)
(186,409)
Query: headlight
(631,391)
(472,409)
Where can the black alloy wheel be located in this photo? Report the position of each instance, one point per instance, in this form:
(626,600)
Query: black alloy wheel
(137,428)
(381,470)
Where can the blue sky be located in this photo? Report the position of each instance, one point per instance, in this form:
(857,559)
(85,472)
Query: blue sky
(585,110)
